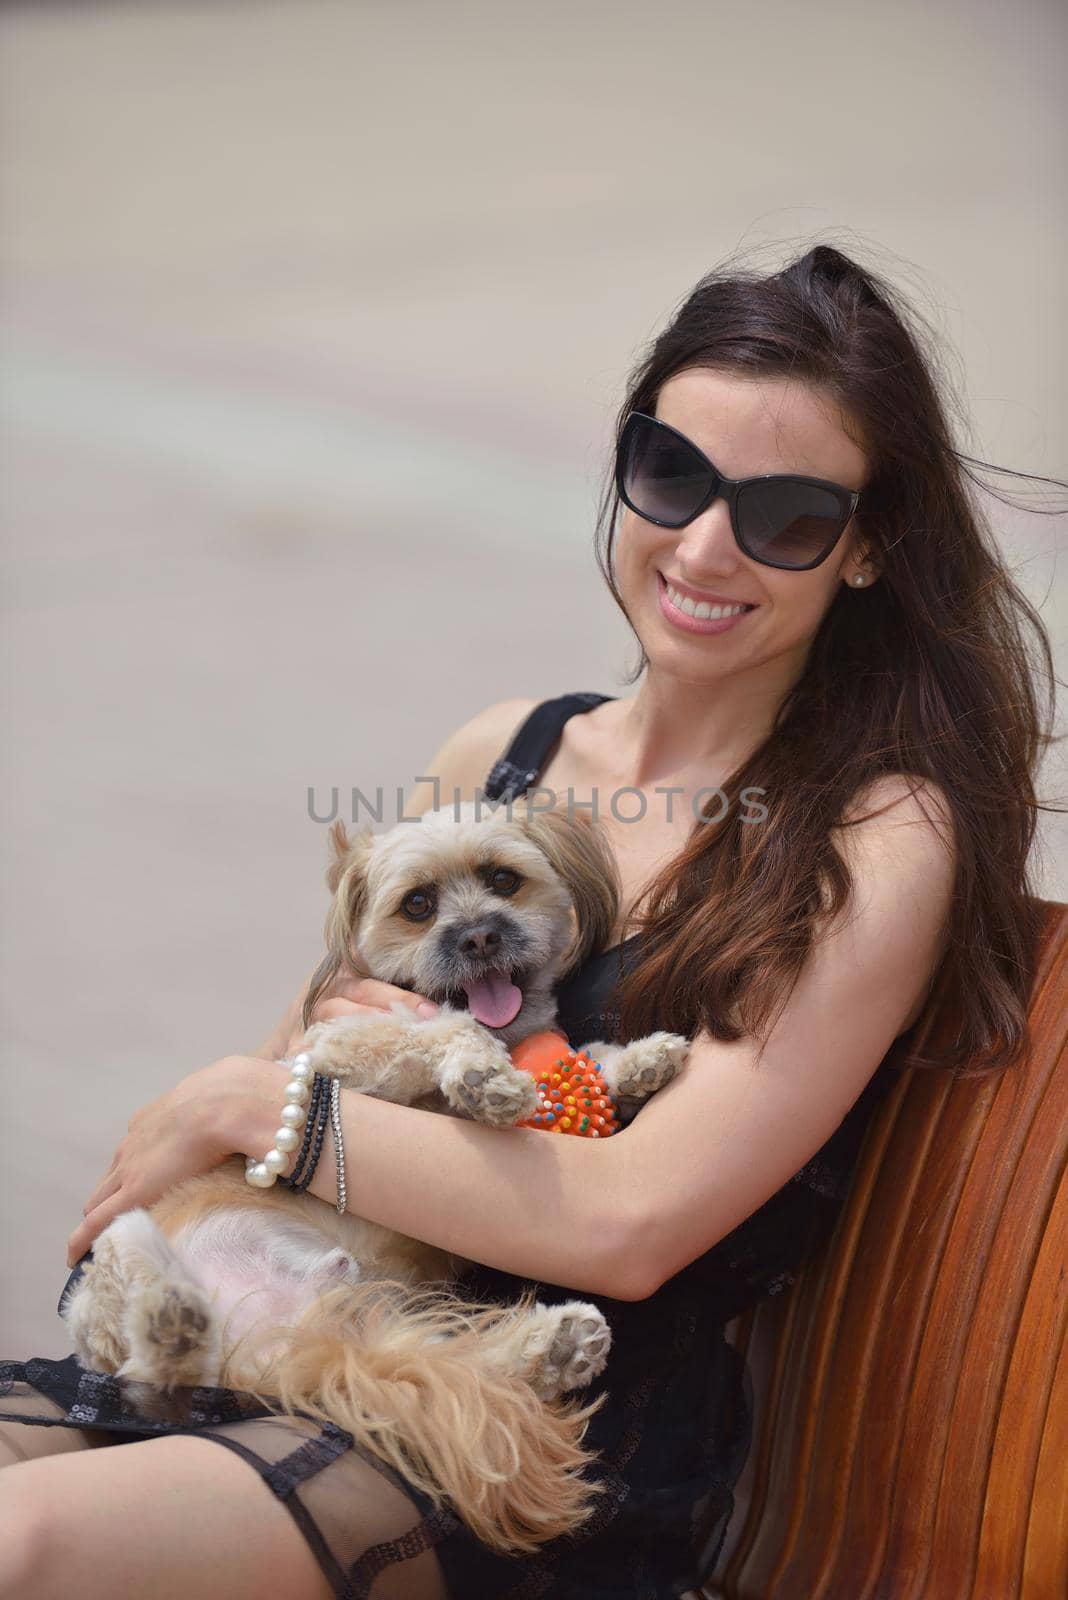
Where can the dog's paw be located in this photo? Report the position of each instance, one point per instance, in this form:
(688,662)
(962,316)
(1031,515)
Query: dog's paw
(172,1335)
(566,1347)
(130,1250)
(646,1065)
(477,1077)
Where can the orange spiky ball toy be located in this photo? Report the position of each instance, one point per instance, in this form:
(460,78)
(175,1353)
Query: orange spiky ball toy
(572,1097)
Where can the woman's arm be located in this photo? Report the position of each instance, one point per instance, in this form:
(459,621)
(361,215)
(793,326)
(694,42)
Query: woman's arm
(548,1208)
(715,1144)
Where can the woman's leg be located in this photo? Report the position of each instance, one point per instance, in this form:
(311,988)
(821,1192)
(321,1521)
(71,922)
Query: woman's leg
(29,1442)
(178,1515)
(25,1441)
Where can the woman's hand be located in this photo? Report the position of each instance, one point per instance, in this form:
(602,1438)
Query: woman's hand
(352,996)
(185,1132)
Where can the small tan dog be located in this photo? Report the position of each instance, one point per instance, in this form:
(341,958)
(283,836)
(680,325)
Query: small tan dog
(272,1292)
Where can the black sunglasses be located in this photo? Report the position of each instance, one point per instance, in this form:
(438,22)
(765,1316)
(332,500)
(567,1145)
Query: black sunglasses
(781,520)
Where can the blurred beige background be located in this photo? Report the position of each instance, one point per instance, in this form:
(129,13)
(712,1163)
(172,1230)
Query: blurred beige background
(315,317)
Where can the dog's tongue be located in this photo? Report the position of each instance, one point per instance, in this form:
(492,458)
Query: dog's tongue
(494,1000)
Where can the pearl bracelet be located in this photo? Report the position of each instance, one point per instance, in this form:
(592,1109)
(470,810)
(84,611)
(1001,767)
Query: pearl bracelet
(326,1100)
(262,1174)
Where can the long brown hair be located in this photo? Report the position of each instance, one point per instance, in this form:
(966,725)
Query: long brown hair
(930,672)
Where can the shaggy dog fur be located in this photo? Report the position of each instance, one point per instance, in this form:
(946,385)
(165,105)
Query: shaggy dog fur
(272,1292)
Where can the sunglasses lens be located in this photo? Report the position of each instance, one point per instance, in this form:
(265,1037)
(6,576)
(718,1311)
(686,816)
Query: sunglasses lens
(791,524)
(661,477)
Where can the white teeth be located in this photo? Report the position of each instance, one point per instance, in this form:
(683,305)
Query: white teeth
(695,608)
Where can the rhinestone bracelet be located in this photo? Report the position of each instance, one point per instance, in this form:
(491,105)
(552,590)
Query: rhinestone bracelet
(339,1146)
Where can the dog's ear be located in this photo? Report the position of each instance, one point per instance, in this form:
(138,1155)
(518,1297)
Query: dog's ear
(341,847)
(578,852)
(346,878)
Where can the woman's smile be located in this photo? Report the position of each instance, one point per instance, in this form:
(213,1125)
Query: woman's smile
(722,618)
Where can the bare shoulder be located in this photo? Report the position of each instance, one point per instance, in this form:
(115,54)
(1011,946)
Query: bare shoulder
(463,760)
(903,800)
(898,839)
(903,819)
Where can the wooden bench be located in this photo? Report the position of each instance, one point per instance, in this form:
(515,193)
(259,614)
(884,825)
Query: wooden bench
(910,1390)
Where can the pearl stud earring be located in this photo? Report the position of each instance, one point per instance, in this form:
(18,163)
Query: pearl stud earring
(859,578)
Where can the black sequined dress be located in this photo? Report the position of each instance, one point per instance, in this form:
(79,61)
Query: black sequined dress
(672,1437)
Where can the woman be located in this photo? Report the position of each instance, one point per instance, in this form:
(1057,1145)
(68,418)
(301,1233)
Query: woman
(863,713)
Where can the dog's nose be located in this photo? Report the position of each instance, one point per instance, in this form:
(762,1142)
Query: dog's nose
(480,941)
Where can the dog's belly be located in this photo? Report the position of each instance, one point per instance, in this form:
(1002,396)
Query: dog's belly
(252,1301)
(260,1268)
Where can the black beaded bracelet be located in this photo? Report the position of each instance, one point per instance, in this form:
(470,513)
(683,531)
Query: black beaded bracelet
(320,1129)
(319,1090)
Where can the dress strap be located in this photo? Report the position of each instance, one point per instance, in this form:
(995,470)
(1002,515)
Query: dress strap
(518,767)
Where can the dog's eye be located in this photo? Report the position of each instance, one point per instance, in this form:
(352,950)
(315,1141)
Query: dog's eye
(417,906)
(504,880)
